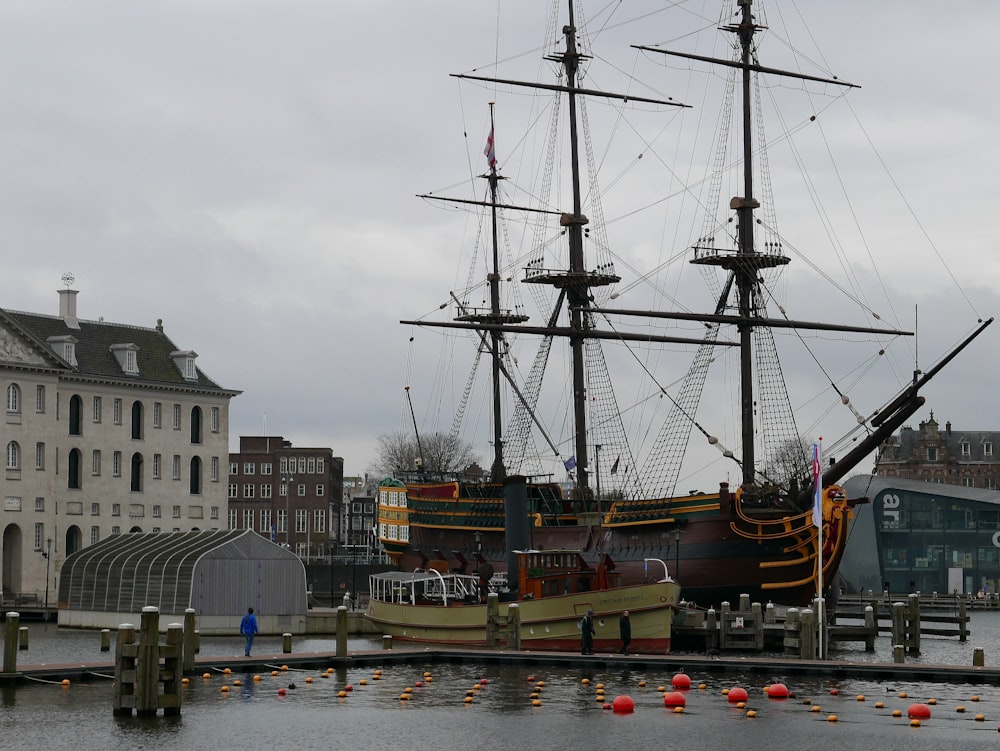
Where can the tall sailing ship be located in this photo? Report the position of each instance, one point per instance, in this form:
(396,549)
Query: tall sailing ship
(754,533)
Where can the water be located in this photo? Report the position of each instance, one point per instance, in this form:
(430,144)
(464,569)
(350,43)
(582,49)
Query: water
(570,717)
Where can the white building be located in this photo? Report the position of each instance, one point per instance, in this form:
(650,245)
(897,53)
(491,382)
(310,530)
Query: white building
(107,428)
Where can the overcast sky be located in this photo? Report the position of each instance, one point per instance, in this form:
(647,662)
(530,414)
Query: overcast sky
(247,170)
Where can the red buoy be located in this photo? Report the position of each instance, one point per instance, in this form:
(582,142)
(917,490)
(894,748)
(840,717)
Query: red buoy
(834,692)
(737,694)
(777,691)
(674,699)
(623,704)
(681,681)
(918,712)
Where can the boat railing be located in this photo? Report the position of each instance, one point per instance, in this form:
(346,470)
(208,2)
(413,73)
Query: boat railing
(645,568)
(457,587)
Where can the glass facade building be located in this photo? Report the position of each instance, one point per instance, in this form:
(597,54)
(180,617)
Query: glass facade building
(916,536)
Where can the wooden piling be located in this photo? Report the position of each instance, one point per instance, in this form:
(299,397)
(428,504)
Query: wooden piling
(143,683)
(963,623)
(341,631)
(22,637)
(105,639)
(711,630)
(793,625)
(172,673)
(286,643)
(492,620)
(898,653)
(871,625)
(10,642)
(898,623)
(514,626)
(913,625)
(978,657)
(190,641)
(147,665)
(807,635)
(123,696)
(387,642)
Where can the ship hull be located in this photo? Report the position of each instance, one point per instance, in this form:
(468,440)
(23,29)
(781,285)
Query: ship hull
(718,546)
(550,623)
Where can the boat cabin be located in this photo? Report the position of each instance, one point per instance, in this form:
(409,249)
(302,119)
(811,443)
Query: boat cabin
(548,573)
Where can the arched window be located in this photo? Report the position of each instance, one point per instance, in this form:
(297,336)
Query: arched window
(136,473)
(75,472)
(137,420)
(195,475)
(13,398)
(13,455)
(75,415)
(196,425)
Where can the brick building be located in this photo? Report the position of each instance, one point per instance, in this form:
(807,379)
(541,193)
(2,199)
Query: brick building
(951,457)
(272,481)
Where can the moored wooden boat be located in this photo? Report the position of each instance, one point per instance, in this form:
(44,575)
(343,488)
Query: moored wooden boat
(555,589)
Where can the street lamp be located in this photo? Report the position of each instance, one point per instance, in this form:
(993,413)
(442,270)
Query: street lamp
(47,555)
(287,482)
(677,553)
(597,461)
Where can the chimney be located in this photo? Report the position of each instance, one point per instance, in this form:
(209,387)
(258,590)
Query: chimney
(947,427)
(67,307)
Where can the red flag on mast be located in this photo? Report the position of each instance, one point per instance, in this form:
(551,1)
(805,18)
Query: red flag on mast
(491,155)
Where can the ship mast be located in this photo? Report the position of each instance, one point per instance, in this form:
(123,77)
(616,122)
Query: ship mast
(575,280)
(498,471)
(577,294)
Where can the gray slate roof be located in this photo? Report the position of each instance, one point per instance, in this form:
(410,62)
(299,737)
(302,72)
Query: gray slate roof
(95,358)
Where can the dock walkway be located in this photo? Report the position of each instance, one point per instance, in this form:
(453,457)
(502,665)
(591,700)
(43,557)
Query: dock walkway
(96,671)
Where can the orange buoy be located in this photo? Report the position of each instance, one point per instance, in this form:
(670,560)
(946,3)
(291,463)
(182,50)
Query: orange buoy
(341,693)
(919,711)
(736,694)
(225,689)
(681,681)
(309,679)
(206,676)
(674,699)
(623,704)
(777,691)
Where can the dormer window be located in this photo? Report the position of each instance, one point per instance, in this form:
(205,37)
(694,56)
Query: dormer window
(185,364)
(127,356)
(987,449)
(65,347)
(966,448)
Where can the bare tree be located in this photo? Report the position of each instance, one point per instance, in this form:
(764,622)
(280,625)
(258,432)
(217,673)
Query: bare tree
(398,452)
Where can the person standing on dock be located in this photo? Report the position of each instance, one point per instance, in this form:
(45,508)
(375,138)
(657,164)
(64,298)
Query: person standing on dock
(248,628)
(625,631)
(587,632)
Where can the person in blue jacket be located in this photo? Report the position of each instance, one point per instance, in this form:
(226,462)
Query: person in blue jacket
(248,628)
